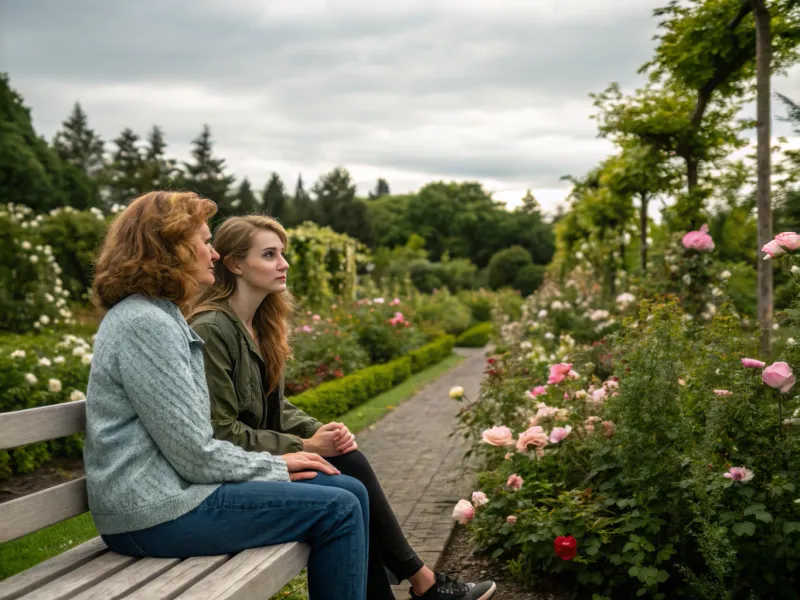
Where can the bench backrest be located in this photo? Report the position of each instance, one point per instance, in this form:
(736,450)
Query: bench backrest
(39,510)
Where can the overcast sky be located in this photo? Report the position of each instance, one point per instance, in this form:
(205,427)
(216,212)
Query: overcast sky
(409,90)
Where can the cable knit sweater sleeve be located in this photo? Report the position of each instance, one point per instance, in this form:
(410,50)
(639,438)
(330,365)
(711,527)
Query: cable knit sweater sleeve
(157,372)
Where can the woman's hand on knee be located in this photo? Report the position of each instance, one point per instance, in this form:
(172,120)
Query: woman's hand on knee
(304,465)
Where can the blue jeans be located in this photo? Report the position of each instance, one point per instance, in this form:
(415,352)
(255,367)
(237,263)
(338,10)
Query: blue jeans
(324,512)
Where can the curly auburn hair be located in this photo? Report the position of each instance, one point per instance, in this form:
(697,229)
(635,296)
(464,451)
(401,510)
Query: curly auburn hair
(149,250)
(233,238)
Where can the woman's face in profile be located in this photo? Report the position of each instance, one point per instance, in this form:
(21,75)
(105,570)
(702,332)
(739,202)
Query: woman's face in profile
(205,256)
(264,268)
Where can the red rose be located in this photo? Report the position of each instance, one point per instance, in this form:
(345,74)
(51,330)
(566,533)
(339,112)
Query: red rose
(566,547)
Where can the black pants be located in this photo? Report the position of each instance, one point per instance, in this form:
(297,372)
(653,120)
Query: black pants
(388,546)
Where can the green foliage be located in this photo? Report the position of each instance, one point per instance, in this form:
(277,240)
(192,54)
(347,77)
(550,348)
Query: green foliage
(443,312)
(337,207)
(332,399)
(38,371)
(529,279)
(506,264)
(476,336)
(75,238)
(206,175)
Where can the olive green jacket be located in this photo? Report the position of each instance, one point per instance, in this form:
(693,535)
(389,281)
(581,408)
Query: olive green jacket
(241,410)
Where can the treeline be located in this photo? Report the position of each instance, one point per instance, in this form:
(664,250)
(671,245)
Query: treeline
(441,221)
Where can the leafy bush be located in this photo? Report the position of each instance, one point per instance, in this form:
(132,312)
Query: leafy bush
(475,337)
(75,238)
(39,370)
(425,275)
(332,399)
(529,279)
(628,486)
(443,311)
(505,266)
(31,292)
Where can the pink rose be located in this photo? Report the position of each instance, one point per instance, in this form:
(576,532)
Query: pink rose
(739,474)
(723,392)
(498,436)
(788,240)
(511,519)
(611,384)
(307,329)
(589,423)
(608,428)
(778,375)
(538,391)
(599,395)
(479,499)
(773,249)
(573,375)
(544,412)
(507,456)
(514,482)
(559,433)
(533,436)
(752,363)
(559,372)
(463,511)
(698,240)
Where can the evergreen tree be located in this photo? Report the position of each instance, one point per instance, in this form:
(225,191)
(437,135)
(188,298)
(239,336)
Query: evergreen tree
(123,174)
(246,202)
(158,171)
(31,172)
(338,208)
(276,204)
(303,208)
(206,174)
(529,203)
(381,189)
(78,144)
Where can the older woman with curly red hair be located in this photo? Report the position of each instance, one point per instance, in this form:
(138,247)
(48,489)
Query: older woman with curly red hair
(159,483)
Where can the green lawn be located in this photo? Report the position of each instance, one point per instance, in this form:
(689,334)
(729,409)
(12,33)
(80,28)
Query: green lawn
(32,549)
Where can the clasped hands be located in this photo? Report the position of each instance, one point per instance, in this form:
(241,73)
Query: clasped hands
(332,439)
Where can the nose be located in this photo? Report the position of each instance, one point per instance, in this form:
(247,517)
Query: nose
(283,265)
(214,255)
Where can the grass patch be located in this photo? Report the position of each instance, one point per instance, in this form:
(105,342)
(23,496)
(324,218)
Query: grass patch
(21,554)
(371,411)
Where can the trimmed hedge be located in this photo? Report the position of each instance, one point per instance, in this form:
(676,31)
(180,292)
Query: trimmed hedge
(475,337)
(332,399)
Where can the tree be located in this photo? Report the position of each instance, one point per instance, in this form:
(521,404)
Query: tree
(338,208)
(31,172)
(381,189)
(529,204)
(123,175)
(303,208)
(276,204)
(246,202)
(158,171)
(78,144)
(206,175)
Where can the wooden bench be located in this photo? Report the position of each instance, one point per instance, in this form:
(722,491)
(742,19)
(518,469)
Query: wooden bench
(91,570)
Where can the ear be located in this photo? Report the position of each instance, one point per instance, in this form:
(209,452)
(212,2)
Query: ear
(232,265)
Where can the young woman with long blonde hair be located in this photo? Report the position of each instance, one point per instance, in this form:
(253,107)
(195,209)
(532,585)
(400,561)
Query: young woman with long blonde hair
(244,320)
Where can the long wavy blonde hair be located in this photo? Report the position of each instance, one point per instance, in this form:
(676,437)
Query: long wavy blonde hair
(233,238)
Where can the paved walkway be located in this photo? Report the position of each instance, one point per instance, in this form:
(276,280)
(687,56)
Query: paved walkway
(419,464)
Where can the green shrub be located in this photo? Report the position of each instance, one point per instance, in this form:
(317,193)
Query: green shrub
(334,398)
(529,279)
(475,337)
(444,311)
(40,370)
(506,264)
(425,275)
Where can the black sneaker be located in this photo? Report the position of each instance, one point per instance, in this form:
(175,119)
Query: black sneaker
(447,588)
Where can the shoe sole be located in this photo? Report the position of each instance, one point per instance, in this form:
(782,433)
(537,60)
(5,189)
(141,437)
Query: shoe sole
(489,593)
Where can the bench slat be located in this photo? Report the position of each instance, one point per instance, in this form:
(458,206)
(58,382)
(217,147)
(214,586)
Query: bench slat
(82,578)
(179,578)
(41,424)
(252,574)
(43,573)
(129,579)
(29,513)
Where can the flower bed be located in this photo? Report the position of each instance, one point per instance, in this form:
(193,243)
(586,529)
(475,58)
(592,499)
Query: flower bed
(648,459)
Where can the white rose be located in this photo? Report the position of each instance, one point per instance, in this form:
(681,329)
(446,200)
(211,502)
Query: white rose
(77,395)
(59,360)
(44,362)
(54,385)
(18,354)
(44,320)
(725,275)
(31,378)
(78,351)
(457,392)
(86,359)
(34,259)
(26,245)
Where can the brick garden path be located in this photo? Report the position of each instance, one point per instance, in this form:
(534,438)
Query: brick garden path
(419,465)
